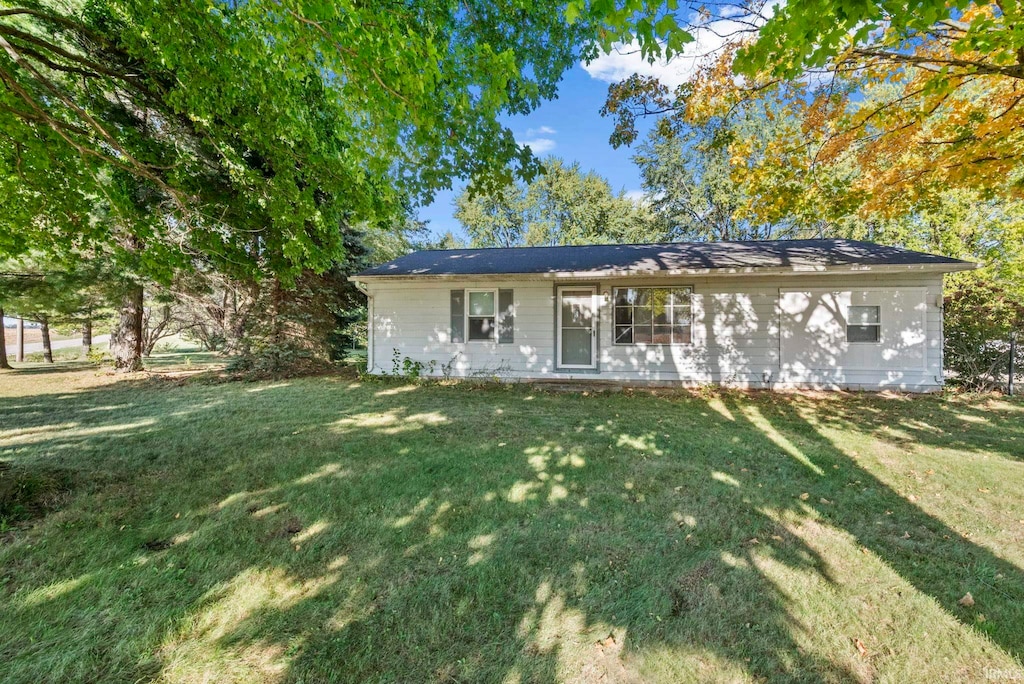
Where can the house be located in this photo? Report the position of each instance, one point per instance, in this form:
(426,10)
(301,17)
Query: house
(786,314)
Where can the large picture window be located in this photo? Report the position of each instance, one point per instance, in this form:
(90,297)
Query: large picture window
(480,315)
(653,315)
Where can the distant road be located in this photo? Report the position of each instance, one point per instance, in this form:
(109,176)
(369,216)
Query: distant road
(58,344)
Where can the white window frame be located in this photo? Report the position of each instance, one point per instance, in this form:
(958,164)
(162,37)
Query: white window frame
(614,326)
(846,330)
(494,328)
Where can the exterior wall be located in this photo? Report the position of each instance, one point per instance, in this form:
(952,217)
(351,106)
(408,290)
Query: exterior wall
(748,331)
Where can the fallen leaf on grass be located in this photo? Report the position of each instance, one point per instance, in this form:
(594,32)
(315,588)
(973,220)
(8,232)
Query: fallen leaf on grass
(984,490)
(912,498)
(805,496)
(861,648)
(967,601)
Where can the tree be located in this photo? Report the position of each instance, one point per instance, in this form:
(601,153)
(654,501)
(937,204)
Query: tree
(564,205)
(693,170)
(981,316)
(4,363)
(495,219)
(53,293)
(256,135)
(937,86)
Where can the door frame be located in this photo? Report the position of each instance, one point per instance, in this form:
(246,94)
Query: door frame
(594,328)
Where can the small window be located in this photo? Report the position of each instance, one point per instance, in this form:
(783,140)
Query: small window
(652,315)
(480,315)
(863,324)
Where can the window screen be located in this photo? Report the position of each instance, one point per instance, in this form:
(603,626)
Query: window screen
(480,315)
(863,324)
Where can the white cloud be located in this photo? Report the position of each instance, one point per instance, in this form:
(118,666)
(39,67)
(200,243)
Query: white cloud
(543,130)
(538,145)
(636,195)
(625,60)
(731,25)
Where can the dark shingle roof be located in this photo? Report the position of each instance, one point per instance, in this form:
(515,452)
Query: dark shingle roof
(678,256)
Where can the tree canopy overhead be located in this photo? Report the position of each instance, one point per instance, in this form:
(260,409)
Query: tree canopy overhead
(925,95)
(255,138)
(303,114)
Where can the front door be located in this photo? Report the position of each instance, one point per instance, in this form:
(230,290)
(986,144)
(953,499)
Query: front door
(577,327)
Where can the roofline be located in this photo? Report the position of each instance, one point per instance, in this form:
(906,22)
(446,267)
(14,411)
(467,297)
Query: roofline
(945,267)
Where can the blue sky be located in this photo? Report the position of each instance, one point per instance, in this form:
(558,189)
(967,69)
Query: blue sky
(570,127)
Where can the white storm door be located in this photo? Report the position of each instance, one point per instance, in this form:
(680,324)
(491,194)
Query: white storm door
(577,327)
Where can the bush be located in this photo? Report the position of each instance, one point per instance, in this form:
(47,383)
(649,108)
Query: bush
(981,316)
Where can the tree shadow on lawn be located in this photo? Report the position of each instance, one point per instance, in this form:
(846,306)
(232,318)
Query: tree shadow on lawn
(44,368)
(455,534)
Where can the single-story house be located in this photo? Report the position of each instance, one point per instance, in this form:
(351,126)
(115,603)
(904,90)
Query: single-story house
(786,314)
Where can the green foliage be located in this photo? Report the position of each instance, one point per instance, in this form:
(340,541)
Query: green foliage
(289,329)
(409,368)
(251,132)
(562,206)
(255,140)
(688,171)
(99,356)
(67,293)
(981,317)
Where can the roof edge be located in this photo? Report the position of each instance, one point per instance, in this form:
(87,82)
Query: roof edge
(944,267)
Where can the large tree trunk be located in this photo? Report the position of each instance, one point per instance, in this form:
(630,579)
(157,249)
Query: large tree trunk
(3,342)
(87,338)
(126,338)
(47,349)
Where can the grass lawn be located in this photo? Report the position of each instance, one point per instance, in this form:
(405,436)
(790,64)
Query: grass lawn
(326,529)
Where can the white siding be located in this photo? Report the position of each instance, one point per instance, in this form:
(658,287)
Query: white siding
(747,331)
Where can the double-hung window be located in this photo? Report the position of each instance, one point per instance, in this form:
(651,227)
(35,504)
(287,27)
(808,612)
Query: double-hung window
(863,324)
(653,315)
(480,315)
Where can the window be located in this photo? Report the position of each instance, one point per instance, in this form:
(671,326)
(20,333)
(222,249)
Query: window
(480,315)
(652,315)
(863,324)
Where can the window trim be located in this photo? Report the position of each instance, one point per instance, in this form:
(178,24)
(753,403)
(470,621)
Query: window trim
(846,328)
(494,328)
(674,286)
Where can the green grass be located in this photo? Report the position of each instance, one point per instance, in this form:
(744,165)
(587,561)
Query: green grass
(330,529)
